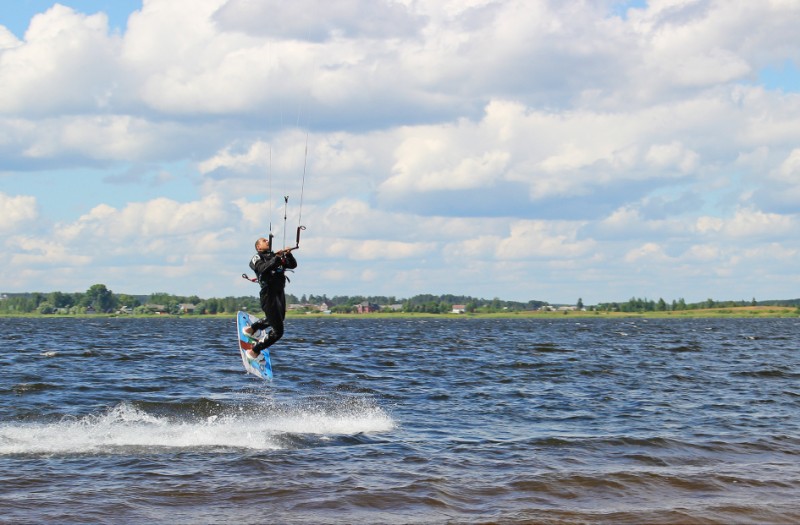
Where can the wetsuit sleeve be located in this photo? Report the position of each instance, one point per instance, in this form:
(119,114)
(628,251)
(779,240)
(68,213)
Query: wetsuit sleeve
(291,262)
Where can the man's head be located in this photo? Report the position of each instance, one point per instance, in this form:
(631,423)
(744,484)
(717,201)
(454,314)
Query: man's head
(262,245)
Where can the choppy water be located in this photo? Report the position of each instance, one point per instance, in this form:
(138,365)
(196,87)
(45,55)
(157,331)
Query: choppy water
(402,421)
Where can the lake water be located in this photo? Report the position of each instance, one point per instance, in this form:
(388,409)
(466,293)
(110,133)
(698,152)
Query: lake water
(429,421)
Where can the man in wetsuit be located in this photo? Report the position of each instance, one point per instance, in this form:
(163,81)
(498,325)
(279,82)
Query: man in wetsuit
(270,271)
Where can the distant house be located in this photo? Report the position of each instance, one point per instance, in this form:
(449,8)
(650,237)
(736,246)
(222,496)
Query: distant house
(159,309)
(308,307)
(459,308)
(186,308)
(366,307)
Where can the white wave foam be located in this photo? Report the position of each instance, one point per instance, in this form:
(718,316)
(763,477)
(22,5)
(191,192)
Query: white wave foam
(126,427)
(318,421)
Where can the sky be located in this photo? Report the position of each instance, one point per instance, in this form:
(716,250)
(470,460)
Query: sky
(548,150)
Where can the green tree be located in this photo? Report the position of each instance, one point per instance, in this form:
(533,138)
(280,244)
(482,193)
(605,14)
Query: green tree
(100,298)
(127,300)
(46,308)
(211,306)
(341,309)
(60,299)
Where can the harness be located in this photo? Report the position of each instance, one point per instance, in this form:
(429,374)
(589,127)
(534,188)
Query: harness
(279,270)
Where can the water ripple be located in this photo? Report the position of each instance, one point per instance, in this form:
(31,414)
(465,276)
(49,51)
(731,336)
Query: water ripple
(402,421)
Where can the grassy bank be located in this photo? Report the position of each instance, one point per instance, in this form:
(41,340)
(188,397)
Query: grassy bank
(748,312)
(735,312)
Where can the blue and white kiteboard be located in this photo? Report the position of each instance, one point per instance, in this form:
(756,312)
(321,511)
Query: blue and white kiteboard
(261,367)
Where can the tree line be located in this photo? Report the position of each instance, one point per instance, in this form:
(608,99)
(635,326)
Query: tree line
(98,298)
(639,305)
(422,303)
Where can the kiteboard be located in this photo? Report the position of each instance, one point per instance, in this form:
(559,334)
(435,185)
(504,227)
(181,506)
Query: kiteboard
(261,367)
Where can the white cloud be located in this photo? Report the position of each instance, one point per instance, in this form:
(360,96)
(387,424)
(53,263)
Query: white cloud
(370,250)
(747,223)
(703,39)
(539,239)
(318,19)
(552,141)
(703,253)
(553,154)
(101,137)
(39,255)
(66,63)
(258,155)
(17,212)
(757,224)
(789,169)
(673,154)
(623,218)
(8,39)
(649,252)
(525,240)
(438,165)
(161,225)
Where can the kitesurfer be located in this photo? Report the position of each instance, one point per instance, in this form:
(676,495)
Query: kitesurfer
(270,268)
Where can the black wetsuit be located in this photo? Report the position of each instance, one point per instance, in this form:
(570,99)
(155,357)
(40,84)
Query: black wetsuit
(271,273)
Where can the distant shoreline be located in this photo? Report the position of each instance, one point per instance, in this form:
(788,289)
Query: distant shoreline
(738,312)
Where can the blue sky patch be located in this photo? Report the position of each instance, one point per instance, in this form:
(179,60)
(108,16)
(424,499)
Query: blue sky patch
(19,18)
(785,77)
(620,9)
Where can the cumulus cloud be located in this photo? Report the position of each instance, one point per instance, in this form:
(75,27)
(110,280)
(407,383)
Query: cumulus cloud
(747,223)
(17,212)
(550,142)
(62,48)
(159,218)
(371,250)
(524,240)
(556,156)
(649,252)
(103,138)
(318,20)
(789,169)
(257,155)
(8,39)
(539,239)
(36,256)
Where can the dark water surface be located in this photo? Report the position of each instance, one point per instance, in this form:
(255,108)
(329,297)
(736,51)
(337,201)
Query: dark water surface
(402,421)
